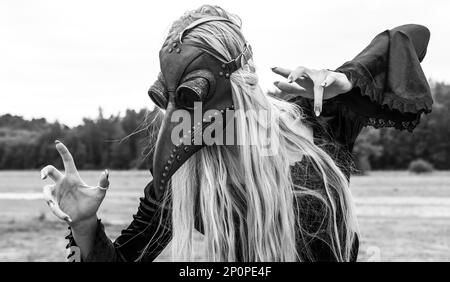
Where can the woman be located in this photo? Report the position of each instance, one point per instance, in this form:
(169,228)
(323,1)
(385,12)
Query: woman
(293,204)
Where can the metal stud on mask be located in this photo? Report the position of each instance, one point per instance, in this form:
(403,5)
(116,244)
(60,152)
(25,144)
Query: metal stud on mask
(189,73)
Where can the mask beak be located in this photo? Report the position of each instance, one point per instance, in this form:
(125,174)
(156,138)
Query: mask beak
(169,154)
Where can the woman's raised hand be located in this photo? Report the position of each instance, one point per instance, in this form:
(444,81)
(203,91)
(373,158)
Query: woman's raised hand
(313,84)
(70,199)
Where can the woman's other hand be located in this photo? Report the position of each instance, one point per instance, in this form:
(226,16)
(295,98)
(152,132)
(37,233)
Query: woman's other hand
(70,199)
(313,84)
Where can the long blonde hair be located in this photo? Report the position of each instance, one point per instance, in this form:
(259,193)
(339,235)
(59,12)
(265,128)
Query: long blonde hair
(246,199)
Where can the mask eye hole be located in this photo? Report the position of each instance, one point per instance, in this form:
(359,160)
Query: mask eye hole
(158,93)
(191,91)
(158,98)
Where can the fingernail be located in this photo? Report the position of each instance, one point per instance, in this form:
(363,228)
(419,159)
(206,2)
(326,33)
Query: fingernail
(324,84)
(43,176)
(68,219)
(289,80)
(107,174)
(57,141)
(317,111)
(273,68)
(276,83)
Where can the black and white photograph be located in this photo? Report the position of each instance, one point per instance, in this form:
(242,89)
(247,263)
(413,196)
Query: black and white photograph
(225,131)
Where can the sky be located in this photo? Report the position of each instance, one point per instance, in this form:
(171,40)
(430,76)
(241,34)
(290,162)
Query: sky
(62,60)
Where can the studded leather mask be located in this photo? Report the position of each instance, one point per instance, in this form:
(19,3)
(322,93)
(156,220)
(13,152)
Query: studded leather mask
(189,73)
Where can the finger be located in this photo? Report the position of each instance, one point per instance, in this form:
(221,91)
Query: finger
(298,73)
(49,192)
(52,172)
(328,81)
(49,196)
(104,180)
(318,97)
(282,71)
(290,88)
(69,164)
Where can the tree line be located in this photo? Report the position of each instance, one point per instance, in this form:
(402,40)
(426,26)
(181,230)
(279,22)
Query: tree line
(122,141)
(430,140)
(116,142)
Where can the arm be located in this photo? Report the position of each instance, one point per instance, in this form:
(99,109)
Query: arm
(389,86)
(382,86)
(388,81)
(73,201)
(143,240)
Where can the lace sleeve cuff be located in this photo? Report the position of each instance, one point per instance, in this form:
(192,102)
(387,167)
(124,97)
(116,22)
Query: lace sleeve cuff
(361,78)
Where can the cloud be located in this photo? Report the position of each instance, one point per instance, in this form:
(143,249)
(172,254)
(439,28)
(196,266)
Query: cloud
(62,60)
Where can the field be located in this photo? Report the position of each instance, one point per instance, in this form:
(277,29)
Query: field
(402,217)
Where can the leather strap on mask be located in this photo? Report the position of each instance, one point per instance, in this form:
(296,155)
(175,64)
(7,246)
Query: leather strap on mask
(232,65)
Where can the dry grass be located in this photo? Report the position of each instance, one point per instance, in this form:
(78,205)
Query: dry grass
(405,216)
